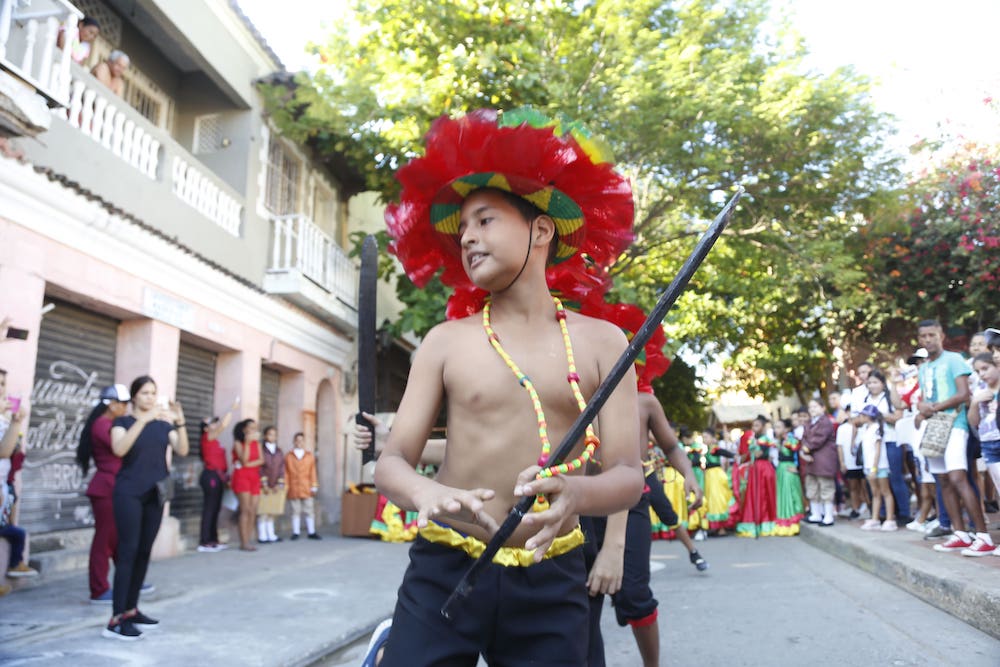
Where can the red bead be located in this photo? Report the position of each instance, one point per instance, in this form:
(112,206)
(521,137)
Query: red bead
(573,377)
(542,460)
(560,314)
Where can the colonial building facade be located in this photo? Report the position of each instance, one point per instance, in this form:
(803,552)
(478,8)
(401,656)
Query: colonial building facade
(169,231)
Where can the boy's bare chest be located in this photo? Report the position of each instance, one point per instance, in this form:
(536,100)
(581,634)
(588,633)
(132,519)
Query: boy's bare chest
(478,378)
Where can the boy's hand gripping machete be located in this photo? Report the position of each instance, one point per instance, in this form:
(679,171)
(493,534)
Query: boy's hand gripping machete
(599,398)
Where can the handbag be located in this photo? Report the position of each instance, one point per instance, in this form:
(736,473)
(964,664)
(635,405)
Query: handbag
(165,490)
(273,503)
(937,430)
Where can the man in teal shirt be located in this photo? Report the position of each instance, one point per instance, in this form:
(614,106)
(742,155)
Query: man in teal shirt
(944,387)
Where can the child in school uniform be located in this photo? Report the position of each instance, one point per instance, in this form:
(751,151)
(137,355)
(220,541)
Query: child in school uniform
(494,201)
(876,467)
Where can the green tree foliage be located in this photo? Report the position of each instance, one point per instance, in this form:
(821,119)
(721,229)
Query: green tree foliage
(683,401)
(944,262)
(694,96)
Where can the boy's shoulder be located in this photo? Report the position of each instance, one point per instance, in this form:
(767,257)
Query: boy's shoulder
(594,328)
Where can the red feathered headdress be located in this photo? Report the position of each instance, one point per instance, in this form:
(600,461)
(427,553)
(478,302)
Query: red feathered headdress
(651,362)
(555,166)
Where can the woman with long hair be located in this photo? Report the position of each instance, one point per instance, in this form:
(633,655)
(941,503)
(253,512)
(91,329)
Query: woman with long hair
(95,443)
(247,461)
(141,440)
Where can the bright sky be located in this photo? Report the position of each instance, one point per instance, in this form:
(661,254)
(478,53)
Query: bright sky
(934,61)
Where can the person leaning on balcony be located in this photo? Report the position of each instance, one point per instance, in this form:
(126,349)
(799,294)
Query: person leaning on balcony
(81,40)
(110,72)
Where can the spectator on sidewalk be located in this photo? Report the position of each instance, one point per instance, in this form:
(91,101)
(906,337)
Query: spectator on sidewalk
(13,417)
(247,461)
(111,72)
(875,463)
(95,444)
(882,395)
(272,479)
(819,450)
(213,480)
(81,40)
(983,411)
(141,440)
(302,483)
(944,386)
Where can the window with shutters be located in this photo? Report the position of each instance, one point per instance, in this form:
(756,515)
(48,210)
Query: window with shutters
(284,174)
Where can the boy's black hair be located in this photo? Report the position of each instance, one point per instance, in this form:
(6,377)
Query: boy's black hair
(866,363)
(268,428)
(787,422)
(297,435)
(89,20)
(927,324)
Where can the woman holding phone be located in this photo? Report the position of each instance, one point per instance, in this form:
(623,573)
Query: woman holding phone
(247,461)
(141,440)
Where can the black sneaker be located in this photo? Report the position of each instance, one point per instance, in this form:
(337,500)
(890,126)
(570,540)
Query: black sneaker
(123,630)
(991,506)
(698,561)
(937,532)
(854,515)
(139,618)
(314,536)
(295,536)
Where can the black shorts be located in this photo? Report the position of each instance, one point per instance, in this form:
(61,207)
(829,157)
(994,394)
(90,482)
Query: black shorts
(537,615)
(659,502)
(857,473)
(634,601)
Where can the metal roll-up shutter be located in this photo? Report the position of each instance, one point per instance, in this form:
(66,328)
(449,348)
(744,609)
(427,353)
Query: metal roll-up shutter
(196,393)
(76,358)
(270,384)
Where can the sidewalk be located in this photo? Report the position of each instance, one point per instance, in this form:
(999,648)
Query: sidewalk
(287,604)
(967,588)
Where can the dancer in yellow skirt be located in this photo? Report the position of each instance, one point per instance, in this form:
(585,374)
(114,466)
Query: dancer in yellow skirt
(720,506)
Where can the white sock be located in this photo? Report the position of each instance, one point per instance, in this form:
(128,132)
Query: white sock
(262,528)
(270,529)
(311,525)
(985,537)
(827,511)
(296,524)
(962,535)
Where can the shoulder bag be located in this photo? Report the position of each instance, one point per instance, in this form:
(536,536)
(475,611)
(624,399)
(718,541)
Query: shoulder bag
(937,430)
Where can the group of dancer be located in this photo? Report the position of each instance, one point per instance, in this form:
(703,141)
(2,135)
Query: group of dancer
(752,486)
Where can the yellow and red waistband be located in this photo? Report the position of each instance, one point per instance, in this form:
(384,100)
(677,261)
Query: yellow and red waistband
(506,556)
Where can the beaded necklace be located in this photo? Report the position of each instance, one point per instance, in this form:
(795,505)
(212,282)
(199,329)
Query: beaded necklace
(591,441)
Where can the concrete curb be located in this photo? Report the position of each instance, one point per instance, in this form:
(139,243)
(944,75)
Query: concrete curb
(941,580)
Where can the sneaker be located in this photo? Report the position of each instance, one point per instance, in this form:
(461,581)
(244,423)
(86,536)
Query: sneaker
(854,515)
(314,536)
(295,536)
(277,539)
(871,524)
(698,561)
(917,526)
(379,637)
(889,526)
(104,598)
(147,588)
(814,519)
(700,536)
(123,630)
(979,548)
(991,506)
(219,546)
(139,618)
(936,532)
(827,521)
(956,543)
(21,570)
(206,549)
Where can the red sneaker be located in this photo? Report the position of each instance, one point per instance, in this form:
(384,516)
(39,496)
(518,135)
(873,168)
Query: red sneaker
(954,543)
(979,548)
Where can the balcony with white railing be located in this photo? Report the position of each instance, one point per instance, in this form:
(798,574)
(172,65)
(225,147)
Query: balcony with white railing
(308,268)
(28,33)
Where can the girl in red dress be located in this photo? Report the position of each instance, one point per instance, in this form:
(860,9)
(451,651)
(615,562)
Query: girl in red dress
(247,461)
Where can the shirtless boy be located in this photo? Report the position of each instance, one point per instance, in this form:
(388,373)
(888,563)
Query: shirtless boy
(530,605)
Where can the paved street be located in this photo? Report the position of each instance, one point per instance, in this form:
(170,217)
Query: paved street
(767,602)
(783,602)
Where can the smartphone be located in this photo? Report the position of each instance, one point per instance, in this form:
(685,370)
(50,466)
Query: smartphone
(15,404)
(19,334)
(163,402)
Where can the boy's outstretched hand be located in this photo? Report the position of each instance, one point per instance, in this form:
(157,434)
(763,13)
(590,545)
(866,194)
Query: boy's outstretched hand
(562,505)
(444,502)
